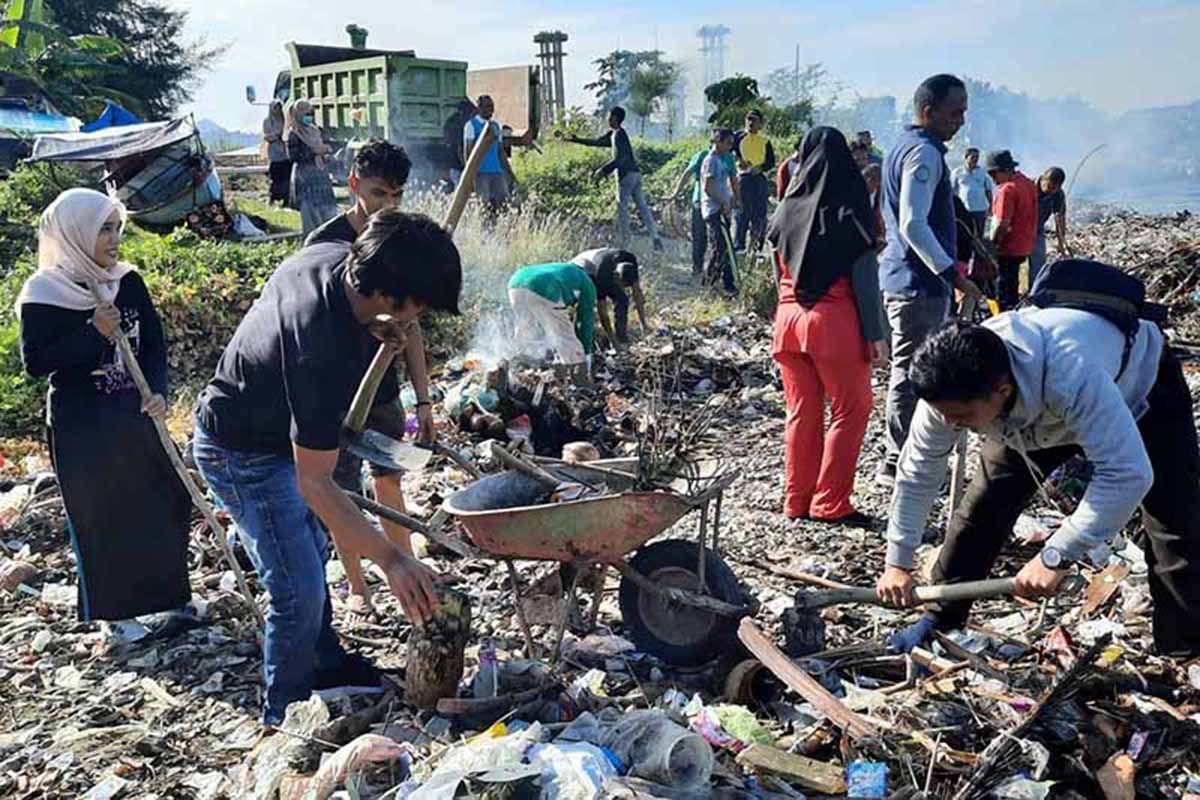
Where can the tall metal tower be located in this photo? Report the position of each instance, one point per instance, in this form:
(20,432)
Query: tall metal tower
(712,52)
(550,53)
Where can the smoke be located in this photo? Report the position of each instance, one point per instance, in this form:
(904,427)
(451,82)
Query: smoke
(490,253)
(1144,159)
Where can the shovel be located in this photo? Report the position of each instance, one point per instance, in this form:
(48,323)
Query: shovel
(813,599)
(806,629)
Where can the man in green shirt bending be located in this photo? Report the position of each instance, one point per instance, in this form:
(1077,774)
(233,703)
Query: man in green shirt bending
(542,296)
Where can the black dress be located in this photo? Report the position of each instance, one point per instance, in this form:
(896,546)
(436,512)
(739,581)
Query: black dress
(127,510)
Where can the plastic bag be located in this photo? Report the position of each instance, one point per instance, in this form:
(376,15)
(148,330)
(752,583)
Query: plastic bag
(571,770)
(349,759)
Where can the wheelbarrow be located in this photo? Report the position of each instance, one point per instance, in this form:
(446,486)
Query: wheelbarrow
(679,600)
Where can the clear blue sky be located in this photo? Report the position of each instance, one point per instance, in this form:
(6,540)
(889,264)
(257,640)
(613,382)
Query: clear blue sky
(1117,54)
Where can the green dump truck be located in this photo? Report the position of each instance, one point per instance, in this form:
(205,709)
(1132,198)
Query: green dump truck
(358,93)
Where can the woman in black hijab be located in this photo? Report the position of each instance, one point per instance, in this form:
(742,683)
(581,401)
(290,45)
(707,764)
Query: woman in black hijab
(828,326)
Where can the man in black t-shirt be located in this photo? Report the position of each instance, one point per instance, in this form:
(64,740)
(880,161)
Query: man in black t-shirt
(613,271)
(377,180)
(269,424)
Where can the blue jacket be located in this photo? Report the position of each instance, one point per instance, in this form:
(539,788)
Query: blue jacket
(902,271)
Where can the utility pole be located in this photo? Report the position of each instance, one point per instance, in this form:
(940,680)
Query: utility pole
(797,73)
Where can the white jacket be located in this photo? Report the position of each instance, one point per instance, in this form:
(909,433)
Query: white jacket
(1064,362)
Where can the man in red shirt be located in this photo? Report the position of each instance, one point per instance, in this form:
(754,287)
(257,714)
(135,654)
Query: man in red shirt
(1015,211)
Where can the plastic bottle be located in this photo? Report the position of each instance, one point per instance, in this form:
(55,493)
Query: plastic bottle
(655,748)
(487,678)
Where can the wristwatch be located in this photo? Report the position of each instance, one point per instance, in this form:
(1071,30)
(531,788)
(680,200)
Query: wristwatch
(1053,558)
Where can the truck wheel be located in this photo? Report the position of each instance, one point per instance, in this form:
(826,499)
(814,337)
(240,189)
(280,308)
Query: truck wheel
(679,634)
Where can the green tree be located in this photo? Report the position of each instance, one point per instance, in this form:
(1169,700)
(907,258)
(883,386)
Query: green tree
(615,74)
(159,68)
(74,73)
(650,83)
(734,97)
(789,86)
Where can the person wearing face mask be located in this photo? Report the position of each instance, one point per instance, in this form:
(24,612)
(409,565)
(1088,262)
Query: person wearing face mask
(127,511)
(311,189)
(377,180)
(269,425)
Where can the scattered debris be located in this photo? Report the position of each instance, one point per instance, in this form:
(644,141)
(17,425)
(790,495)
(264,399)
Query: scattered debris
(1064,695)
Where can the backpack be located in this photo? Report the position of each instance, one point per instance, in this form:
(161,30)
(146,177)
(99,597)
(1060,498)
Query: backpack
(1100,289)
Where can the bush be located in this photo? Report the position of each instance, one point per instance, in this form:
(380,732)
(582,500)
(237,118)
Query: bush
(559,179)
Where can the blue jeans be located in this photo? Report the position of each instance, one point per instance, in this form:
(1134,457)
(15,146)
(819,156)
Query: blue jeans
(1037,259)
(752,217)
(630,188)
(288,547)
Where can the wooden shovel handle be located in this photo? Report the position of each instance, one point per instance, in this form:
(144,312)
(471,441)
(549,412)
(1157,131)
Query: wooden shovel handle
(364,398)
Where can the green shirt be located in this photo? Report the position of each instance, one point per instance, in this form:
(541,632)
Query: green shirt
(694,166)
(567,285)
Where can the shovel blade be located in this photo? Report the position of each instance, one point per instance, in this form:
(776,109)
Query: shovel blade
(384,451)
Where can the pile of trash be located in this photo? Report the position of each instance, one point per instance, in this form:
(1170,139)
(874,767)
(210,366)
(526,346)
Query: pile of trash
(1055,699)
(1163,251)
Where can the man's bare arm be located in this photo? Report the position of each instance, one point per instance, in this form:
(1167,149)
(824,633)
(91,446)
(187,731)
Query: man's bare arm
(410,581)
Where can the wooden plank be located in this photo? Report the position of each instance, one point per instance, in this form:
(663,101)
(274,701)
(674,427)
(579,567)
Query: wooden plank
(933,663)
(799,681)
(805,577)
(807,773)
(1102,586)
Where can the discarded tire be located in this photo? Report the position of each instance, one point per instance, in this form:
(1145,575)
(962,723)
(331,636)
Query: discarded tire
(679,634)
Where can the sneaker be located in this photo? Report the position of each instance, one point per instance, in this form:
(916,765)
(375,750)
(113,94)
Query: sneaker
(118,634)
(855,519)
(166,624)
(885,476)
(355,671)
(658,245)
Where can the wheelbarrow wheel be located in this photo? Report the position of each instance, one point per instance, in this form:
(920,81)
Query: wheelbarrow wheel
(679,634)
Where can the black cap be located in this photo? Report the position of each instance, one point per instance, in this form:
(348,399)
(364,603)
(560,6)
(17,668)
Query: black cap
(999,160)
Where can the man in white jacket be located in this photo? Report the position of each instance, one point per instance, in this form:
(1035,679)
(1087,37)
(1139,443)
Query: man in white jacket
(1041,385)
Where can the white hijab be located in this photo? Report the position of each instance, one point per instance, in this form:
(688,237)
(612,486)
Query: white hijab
(67,238)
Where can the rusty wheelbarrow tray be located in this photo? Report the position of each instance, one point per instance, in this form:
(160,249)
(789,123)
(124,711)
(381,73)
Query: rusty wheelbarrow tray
(501,518)
(679,599)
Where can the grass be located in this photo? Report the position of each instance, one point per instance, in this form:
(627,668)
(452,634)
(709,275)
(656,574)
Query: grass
(282,219)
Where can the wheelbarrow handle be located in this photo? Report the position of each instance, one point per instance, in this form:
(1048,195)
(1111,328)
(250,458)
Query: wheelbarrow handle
(432,531)
(946,592)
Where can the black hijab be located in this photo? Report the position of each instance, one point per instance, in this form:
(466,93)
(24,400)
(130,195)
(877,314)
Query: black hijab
(824,223)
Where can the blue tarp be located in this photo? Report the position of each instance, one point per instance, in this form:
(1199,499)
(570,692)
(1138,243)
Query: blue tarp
(29,123)
(113,116)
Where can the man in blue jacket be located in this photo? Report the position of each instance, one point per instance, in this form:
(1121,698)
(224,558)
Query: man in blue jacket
(917,270)
(1041,385)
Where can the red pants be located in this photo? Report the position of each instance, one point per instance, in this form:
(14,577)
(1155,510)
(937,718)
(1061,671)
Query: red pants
(820,464)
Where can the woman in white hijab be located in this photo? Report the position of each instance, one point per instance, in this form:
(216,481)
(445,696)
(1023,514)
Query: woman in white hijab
(127,511)
(312,190)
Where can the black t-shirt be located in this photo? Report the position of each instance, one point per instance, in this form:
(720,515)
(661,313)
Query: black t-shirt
(66,346)
(600,265)
(1049,204)
(294,363)
(337,229)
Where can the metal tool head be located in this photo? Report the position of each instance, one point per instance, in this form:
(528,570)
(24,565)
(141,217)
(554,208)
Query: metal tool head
(386,452)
